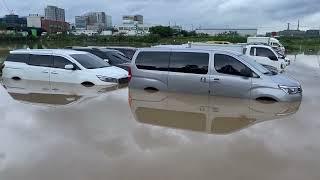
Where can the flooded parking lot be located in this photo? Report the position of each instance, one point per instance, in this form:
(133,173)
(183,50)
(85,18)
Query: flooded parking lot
(77,133)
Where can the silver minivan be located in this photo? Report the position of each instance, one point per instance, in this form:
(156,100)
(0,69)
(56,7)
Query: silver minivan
(212,72)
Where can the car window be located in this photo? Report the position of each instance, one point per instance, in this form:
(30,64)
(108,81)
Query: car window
(128,52)
(264,52)
(90,61)
(41,60)
(189,62)
(117,58)
(23,58)
(226,64)
(60,62)
(153,61)
(252,51)
(244,50)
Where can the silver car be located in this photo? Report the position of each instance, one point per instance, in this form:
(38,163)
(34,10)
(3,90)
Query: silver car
(210,72)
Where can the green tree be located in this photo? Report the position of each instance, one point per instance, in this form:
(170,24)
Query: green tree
(162,31)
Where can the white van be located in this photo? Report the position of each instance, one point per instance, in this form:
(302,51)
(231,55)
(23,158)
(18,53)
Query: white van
(273,42)
(67,66)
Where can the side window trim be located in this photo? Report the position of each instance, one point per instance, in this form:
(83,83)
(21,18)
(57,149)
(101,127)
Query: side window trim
(30,56)
(208,63)
(216,71)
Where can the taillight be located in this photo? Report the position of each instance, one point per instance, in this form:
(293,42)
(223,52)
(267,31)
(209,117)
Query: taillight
(129,73)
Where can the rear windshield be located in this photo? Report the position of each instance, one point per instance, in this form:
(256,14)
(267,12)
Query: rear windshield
(90,61)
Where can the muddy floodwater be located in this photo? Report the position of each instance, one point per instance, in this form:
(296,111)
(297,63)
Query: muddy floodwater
(62,132)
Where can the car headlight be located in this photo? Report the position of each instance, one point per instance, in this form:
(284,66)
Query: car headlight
(291,90)
(107,79)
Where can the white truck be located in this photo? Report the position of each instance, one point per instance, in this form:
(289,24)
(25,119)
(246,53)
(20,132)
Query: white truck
(273,42)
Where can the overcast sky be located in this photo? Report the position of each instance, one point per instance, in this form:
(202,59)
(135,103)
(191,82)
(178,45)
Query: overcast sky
(266,15)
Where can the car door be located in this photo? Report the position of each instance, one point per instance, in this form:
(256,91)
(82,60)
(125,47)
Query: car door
(189,73)
(38,69)
(61,75)
(230,78)
(267,57)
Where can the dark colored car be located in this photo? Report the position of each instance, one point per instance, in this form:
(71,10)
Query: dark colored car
(127,51)
(113,57)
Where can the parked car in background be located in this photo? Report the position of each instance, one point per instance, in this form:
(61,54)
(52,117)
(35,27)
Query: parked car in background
(273,42)
(113,57)
(60,65)
(209,72)
(263,54)
(127,51)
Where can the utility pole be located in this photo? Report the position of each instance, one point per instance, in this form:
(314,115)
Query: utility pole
(288,26)
(298,25)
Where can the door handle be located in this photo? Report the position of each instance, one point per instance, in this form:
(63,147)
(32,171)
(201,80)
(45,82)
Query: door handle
(46,72)
(216,79)
(54,73)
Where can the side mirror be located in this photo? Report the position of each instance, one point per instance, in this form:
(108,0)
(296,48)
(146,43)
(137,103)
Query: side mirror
(69,67)
(107,60)
(273,58)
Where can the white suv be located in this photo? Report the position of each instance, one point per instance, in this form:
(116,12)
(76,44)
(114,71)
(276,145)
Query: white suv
(67,66)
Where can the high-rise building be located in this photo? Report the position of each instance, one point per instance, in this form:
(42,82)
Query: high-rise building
(34,20)
(135,19)
(108,22)
(138,19)
(14,21)
(81,22)
(54,13)
(94,21)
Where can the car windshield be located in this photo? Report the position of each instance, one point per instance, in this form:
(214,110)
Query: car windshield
(119,58)
(90,61)
(256,65)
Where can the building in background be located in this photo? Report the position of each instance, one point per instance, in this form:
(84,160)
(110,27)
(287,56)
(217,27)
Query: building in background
(313,33)
(34,21)
(54,13)
(81,22)
(133,29)
(96,21)
(132,19)
(52,26)
(217,31)
(14,21)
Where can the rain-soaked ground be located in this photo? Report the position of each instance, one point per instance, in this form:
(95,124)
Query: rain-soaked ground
(58,132)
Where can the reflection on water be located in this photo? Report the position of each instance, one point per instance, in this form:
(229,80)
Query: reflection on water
(213,115)
(51,94)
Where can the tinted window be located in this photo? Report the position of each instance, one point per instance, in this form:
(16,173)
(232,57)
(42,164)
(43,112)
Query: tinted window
(60,62)
(128,52)
(23,58)
(41,60)
(263,52)
(244,50)
(229,65)
(188,62)
(117,58)
(90,61)
(153,61)
(252,51)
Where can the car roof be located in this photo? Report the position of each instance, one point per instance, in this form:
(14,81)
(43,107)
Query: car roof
(190,50)
(47,51)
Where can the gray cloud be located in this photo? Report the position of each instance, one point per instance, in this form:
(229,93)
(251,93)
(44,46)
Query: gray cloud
(205,13)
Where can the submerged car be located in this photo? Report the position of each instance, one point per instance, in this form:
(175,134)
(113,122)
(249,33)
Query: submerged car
(67,66)
(113,57)
(211,73)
